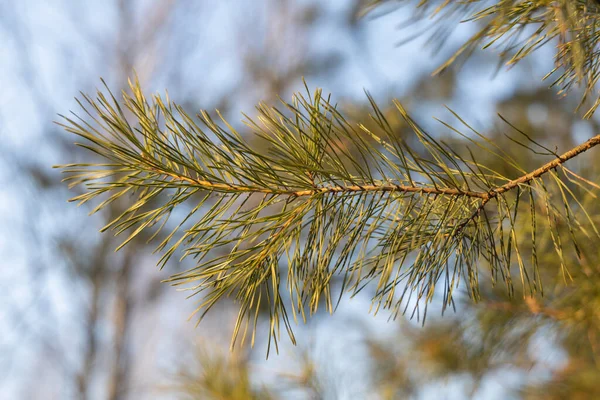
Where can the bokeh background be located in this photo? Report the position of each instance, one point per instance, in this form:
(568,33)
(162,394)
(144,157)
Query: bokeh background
(79,321)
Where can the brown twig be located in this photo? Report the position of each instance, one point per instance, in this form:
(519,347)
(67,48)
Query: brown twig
(485,196)
(228,187)
(547,167)
(531,306)
(529,177)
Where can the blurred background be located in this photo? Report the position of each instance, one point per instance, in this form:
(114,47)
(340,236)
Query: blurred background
(79,321)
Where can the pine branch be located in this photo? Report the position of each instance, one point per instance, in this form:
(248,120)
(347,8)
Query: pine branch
(220,187)
(574,152)
(518,28)
(314,204)
(486,196)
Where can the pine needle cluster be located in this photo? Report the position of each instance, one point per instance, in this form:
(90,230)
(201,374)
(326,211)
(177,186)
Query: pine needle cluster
(310,206)
(516,28)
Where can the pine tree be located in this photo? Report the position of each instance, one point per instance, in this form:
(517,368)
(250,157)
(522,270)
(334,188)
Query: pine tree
(339,205)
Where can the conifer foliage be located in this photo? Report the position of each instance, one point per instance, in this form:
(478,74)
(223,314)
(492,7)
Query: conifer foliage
(333,205)
(517,28)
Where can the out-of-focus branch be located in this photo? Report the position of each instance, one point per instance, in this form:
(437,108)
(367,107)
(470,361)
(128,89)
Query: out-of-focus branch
(532,306)
(122,320)
(84,377)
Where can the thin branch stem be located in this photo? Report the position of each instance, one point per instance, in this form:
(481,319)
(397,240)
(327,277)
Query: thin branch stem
(547,167)
(485,196)
(529,177)
(227,187)
(535,310)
